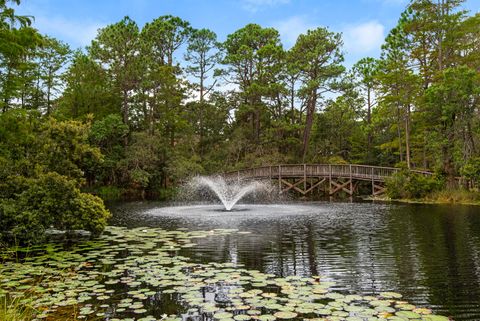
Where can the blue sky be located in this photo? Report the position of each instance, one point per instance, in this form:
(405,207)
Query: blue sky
(364,23)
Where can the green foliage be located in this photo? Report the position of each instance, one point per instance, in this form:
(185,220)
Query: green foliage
(455,196)
(317,56)
(450,107)
(87,90)
(157,119)
(180,167)
(410,185)
(30,145)
(14,310)
(108,193)
(116,47)
(44,161)
(109,135)
(52,57)
(471,171)
(49,201)
(253,56)
(335,160)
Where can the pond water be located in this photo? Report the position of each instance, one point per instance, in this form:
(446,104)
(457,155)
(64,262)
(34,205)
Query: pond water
(294,261)
(428,253)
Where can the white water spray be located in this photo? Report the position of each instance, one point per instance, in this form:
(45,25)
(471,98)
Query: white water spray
(228,192)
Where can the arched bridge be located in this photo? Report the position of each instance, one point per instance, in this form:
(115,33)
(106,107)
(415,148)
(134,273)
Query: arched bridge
(327,178)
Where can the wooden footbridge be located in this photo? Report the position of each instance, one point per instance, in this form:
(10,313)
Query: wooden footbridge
(327,178)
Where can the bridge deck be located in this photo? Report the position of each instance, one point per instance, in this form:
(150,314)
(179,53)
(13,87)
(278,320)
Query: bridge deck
(340,176)
(359,172)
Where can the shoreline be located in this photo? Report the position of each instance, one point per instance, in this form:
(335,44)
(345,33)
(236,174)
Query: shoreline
(422,201)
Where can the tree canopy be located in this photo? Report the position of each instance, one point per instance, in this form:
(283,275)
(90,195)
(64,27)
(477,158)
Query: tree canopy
(165,100)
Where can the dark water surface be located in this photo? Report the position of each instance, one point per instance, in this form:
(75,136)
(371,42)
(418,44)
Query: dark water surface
(428,253)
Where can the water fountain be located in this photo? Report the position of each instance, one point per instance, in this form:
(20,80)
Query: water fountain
(229,192)
(199,199)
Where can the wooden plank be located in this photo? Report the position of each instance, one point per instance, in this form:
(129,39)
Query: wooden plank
(378,189)
(341,186)
(293,186)
(320,182)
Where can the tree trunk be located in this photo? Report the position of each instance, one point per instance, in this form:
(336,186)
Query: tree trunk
(49,89)
(425,163)
(399,134)
(125,107)
(312,101)
(407,136)
(447,153)
(292,102)
(125,112)
(48,101)
(257,124)
(369,122)
(200,121)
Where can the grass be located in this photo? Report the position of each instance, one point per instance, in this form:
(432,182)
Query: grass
(13,310)
(107,193)
(446,196)
(455,196)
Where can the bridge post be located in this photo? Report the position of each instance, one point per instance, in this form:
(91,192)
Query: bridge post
(304,177)
(351,182)
(373,184)
(279,179)
(329,179)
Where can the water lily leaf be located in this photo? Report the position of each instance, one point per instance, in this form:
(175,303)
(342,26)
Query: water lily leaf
(408,315)
(223,315)
(390,295)
(285,315)
(266,317)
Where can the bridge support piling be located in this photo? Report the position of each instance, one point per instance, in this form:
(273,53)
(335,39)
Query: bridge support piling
(279,179)
(304,177)
(351,181)
(373,182)
(329,179)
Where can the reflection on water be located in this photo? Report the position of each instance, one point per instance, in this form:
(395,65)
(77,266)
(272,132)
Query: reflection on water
(430,254)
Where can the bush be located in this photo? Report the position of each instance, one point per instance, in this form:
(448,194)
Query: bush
(410,185)
(42,165)
(471,171)
(50,201)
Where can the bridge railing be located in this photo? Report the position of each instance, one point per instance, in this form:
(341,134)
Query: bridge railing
(364,172)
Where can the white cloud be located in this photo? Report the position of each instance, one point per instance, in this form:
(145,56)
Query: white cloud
(364,38)
(291,28)
(255,5)
(75,33)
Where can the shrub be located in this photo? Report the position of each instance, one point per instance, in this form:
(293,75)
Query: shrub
(410,185)
(471,171)
(51,200)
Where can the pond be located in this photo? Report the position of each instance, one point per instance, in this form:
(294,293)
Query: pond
(341,261)
(428,253)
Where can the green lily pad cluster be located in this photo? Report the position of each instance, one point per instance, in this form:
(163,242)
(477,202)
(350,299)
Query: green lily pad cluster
(138,274)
